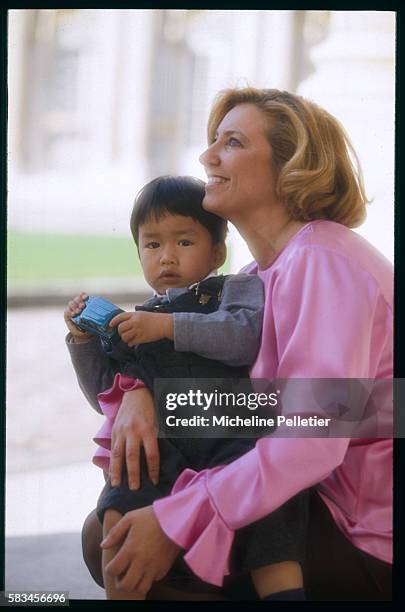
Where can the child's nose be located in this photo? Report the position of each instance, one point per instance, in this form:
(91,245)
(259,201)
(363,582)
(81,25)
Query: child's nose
(168,257)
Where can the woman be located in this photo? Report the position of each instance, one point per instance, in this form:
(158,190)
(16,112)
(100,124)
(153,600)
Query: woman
(280,169)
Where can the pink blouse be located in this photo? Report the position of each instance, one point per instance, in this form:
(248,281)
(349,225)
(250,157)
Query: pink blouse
(328,314)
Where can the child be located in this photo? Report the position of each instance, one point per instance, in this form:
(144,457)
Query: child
(201,326)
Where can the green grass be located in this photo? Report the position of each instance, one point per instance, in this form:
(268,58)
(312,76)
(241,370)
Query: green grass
(46,257)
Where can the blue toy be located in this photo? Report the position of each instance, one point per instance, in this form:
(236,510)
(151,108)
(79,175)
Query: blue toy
(95,318)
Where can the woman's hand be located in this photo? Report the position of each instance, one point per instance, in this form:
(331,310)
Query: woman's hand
(134,425)
(74,308)
(146,553)
(139,327)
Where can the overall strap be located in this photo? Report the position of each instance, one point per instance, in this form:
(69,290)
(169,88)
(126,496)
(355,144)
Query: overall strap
(210,288)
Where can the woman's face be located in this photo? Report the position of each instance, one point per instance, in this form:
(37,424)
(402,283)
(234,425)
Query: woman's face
(239,165)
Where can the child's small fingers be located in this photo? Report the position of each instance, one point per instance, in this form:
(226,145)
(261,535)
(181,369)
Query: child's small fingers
(77,305)
(133,338)
(129,337)
(125,327)
(122,316)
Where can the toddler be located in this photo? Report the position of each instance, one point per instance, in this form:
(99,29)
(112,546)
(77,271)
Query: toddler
(197,325)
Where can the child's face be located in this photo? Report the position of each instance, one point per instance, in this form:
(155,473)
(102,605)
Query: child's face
(177,251)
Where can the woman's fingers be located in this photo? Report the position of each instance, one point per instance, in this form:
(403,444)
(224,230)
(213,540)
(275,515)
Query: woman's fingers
(134,426)
(119,565)
(145,584)
(130,574)
(151,447)
(114,537)
(132,449)
(117,459)
(145,550)
(134,580)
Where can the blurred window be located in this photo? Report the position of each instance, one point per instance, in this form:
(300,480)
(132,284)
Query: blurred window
(56,42)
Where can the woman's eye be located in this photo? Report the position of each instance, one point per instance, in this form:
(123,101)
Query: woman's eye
(233,142)
(185,242)
(152,245)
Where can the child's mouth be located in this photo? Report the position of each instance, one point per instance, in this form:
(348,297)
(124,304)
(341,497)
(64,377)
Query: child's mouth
(169,276)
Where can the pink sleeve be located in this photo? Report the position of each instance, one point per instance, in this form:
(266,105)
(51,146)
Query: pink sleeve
(321,308)
(110,402)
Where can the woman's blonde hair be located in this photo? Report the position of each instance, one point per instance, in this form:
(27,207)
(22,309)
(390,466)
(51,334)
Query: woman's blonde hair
(318,172)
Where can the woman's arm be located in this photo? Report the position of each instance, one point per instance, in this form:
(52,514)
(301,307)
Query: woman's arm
(130,405)
(322,308)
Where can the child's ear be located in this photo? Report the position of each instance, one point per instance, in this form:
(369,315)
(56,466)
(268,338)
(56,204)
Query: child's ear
(219,254)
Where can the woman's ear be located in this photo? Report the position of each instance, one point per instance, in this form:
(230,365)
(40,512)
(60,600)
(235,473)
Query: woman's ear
(219,254)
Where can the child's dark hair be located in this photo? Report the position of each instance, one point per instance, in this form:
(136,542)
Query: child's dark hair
(175,195)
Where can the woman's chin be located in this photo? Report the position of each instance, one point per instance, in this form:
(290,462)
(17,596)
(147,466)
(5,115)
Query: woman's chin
(213,205)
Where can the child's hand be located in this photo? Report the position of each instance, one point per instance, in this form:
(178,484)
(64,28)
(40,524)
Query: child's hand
(74,308)
(139,327)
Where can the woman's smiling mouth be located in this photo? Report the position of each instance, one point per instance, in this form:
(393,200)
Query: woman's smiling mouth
(216,180)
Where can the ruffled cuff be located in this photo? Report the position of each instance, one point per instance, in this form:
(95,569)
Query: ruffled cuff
(101,458)
(189,518)
(110,402)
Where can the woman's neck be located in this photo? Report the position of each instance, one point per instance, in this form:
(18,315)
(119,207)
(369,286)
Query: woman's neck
(266,233)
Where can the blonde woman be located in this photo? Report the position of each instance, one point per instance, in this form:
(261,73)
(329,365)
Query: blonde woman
(282,170)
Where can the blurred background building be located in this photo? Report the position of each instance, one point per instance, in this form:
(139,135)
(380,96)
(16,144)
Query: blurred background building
(101,101)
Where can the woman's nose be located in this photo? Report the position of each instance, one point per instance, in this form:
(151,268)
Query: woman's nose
(209,157)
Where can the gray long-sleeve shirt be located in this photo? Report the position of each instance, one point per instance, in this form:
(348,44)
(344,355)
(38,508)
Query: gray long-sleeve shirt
(231,334)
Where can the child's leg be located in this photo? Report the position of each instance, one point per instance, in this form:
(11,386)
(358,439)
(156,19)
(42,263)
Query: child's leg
(277,577)
(92,534)
(123,500)
(111,518)
(272,550)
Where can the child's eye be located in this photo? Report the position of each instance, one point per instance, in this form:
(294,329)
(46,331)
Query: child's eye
(152,245)
(185,242)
